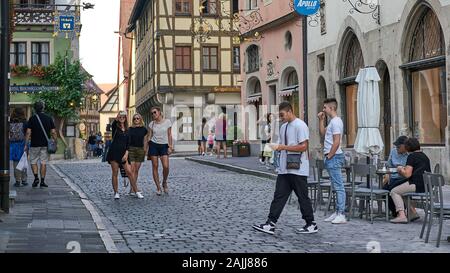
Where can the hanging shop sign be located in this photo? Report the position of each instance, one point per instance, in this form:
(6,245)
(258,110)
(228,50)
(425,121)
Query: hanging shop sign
(306,7)
(31,88)
(67,24)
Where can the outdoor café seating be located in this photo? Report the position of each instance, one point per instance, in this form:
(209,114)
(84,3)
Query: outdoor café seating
(435,205)
(367,195)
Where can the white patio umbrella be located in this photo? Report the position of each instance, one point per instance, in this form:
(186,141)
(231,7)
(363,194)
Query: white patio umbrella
(368,140)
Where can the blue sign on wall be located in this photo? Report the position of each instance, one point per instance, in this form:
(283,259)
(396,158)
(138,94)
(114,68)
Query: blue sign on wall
(306,7)
(66,23)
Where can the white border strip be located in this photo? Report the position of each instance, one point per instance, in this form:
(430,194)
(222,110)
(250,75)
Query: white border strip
(104,234)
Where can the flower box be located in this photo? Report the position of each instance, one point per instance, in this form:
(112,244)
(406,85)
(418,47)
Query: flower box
(241,150)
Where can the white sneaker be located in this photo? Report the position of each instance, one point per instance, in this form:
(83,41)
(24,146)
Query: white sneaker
(132,194)
(340,219)
(139,195)
(331,218)
(260,161)
(117,196)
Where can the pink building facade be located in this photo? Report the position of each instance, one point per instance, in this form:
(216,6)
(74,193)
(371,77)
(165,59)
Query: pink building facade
(271,63)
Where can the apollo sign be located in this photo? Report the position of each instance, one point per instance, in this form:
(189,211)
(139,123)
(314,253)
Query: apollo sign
(306,7)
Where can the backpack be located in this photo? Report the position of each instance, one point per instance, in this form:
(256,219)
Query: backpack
(16,132)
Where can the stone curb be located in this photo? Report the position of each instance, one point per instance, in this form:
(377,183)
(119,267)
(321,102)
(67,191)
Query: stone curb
(104,234)
(233,168)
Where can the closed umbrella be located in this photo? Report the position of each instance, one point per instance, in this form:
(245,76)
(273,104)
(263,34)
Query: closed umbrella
(368,140)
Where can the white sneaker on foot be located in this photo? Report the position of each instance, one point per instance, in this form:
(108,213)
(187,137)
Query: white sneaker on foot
(340,219)
(331,218)
(117,196)
(139,195)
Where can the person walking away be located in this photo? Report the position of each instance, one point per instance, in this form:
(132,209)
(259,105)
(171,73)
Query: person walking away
(221,135)
(118,154)
(202,132)
(138,135)
(160,147)
(334,156)
(416,164)
(39,127)
(92,142)
(17,130)
(397,157)
(292,172)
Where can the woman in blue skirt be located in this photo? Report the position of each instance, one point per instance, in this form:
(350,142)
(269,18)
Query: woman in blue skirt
(17,129)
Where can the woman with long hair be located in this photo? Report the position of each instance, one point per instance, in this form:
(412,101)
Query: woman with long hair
(138,136)
(160,146)
(118,154)
(17,129)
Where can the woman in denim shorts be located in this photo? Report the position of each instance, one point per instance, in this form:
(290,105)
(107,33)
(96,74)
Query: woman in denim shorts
(138,138)
(160,146)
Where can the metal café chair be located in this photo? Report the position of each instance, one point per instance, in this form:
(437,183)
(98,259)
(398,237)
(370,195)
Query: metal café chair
(417,196)
(435,205)
(312,184)
(364,194)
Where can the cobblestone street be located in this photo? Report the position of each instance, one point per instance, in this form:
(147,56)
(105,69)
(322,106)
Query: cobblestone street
(212,210)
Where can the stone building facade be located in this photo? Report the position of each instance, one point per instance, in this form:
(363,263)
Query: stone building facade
(408,43)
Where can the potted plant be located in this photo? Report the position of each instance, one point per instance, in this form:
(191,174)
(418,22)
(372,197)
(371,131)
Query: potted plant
(19,70)
(241,148)
(38,71)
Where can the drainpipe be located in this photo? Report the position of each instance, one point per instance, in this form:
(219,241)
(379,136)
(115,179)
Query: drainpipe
(305,68)
(4,106)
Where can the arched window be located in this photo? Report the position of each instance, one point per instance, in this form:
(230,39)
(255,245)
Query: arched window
(353,62)
(292,79)
(321,93)
(252,59)
(353,58)
(426,78)
(428,39)
(256,87)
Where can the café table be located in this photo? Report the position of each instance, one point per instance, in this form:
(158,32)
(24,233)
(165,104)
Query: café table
(381,173)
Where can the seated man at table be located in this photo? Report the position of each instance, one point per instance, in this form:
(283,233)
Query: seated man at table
(397,157)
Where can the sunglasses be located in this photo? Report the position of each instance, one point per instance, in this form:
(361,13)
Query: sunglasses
(154,112)
(122,116)
(136,118)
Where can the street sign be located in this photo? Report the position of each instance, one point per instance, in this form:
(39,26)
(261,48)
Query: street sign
(306,7)
(66,23)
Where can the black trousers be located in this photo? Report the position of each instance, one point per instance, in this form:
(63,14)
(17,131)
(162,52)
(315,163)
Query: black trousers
(286,183)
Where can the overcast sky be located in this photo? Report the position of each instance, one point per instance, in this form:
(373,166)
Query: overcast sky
(98,42)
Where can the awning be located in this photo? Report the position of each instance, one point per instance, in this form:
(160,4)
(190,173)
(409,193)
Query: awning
(253,99)
(288,91)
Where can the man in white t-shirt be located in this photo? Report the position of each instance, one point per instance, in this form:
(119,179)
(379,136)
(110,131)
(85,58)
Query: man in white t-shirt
(293,145)
(334,156)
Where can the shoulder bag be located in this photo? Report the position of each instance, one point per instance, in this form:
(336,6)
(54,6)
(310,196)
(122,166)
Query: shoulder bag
(51,145)
(293,161)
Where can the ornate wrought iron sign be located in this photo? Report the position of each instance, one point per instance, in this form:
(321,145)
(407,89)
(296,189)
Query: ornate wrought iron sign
(67,24)
(366,7)
(234,24)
